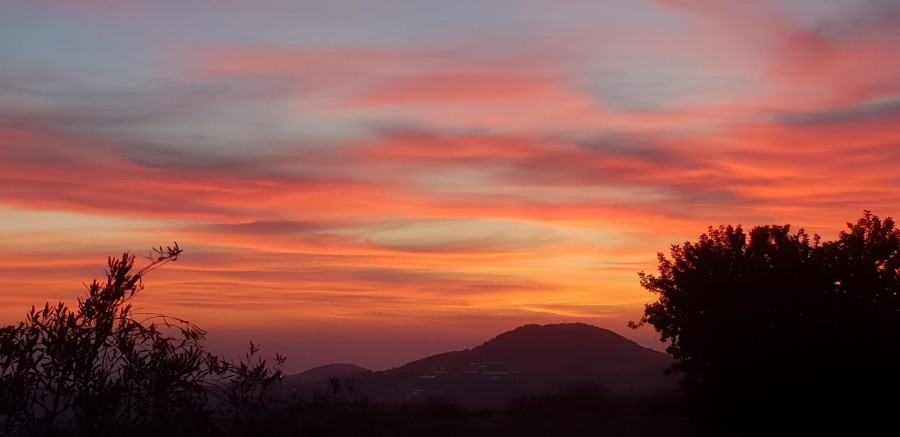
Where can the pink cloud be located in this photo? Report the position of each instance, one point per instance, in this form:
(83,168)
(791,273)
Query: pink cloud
(463,181)
(454,88)
(413,146)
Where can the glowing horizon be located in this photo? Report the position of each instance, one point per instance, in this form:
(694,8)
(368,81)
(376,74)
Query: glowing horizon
(437,170)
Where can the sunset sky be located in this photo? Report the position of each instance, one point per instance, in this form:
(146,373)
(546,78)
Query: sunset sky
(376,182)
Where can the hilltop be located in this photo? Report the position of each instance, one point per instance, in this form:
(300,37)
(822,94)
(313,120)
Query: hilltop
(529,360)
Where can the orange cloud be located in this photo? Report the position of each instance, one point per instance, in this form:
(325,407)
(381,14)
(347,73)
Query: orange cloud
(498,181)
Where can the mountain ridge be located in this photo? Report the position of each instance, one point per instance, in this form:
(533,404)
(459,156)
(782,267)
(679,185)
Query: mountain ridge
(529,360)
(571,340)
(326,371)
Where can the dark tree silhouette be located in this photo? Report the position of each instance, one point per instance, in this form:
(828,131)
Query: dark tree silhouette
(104,369)
(776,331)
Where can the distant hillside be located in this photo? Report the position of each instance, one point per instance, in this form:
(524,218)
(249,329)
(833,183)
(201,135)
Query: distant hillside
(324,372)
(529,360)
(576,348)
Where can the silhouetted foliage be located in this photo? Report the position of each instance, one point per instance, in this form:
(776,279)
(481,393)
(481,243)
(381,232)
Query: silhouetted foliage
(105,369)
(245,385)
(572,412)
(777,332)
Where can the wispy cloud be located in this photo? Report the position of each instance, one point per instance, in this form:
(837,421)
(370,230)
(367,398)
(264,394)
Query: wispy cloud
(521,163)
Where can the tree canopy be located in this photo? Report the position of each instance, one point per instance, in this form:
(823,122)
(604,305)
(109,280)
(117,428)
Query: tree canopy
(776,326)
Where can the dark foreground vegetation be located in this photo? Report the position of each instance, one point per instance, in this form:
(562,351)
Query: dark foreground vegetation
(774,333)
(780,333)
(573,412)
(104,369)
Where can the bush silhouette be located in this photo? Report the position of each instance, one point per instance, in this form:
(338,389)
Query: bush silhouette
(104,369)
(777,332)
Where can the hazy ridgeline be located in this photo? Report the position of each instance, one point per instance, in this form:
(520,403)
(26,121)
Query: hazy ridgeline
(770,333)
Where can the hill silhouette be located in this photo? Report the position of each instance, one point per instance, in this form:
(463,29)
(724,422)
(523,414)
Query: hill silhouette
(317,374)
(529,360)
(567,350)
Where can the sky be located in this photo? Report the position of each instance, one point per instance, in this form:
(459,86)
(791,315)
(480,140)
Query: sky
(373,182)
